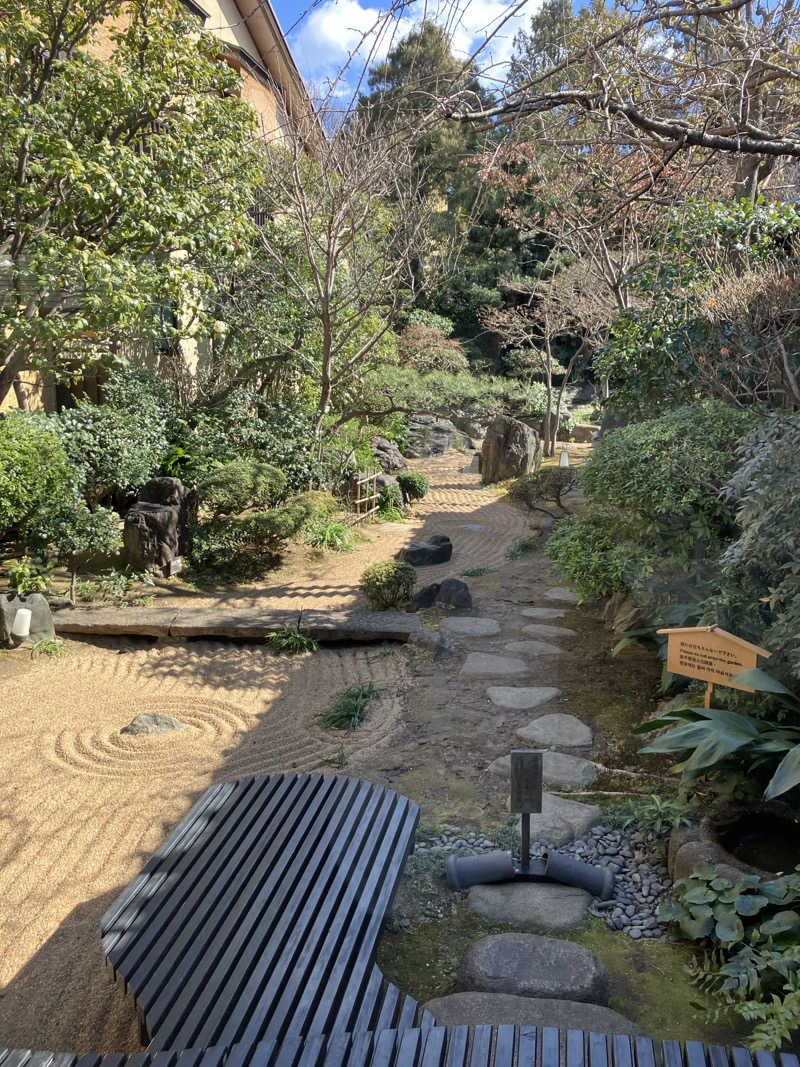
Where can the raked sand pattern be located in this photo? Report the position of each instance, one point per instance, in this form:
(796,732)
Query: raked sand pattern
(82,806)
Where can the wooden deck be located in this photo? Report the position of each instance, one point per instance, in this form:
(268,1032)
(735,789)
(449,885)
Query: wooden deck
(260,916)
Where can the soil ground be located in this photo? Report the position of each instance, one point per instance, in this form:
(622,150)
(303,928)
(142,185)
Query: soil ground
(83,807)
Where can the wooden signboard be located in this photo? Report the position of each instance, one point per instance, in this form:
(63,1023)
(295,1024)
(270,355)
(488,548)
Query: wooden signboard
(710,654)
(526,780)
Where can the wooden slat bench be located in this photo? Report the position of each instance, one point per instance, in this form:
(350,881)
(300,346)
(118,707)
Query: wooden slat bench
(457,1046)
(260,916)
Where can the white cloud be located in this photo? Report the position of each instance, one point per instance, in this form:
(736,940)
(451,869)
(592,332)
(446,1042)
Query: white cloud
(335,28)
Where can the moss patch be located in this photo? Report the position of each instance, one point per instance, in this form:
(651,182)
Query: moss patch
(649,984)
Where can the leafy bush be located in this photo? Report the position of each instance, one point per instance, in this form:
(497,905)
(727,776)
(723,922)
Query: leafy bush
(759,596)
(75,534)
(390,498)
(421,317)
(112,451)
(670,471)
(28,575)
(414,486)
(525,544)
(319,506)
(597,556)
(290,640)
(712,736)
(245,546)
(654,814)
(388,583)
(350,709)
(34,471)
(240,485)
(753,933)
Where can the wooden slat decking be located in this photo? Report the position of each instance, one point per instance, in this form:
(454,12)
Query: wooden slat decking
(456,1046)
(260,915)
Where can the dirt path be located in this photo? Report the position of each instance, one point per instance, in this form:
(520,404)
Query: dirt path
(82,807)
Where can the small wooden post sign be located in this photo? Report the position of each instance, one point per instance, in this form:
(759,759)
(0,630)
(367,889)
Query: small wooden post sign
(710,654)
(526,793)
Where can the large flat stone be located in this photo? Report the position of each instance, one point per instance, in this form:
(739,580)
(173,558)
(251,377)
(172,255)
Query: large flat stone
(541,906)
(522,698)
(562,594)
(467,626)
(486,665)
(562,820)
(534,648)
(559,770)
(146,622)
(543,613)
(552,731)
(543,629)
(237,626)
(360,625)
(528,965)
(475,1009)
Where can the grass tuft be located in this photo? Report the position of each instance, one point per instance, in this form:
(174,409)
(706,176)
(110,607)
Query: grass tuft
(350,709)
(527,544)
(291,641)
(48,648)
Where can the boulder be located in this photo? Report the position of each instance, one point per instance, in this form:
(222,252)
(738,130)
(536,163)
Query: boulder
(528,965)
(437,549)
(388,454)
(542,906)
(472,425)
(476,1009)
(453,593)
(584,433)
(425,598)
(158,528)
(41,619)
(152,722)
(383,481)
(510,450)
(429,435)
(562,820)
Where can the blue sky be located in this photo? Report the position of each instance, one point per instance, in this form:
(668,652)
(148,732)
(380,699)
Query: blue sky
(323,37)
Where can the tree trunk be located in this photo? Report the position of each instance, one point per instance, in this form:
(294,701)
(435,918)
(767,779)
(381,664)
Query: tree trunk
(9,372)
(21,395)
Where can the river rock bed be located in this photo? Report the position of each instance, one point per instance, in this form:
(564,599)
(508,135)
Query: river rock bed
(642,881)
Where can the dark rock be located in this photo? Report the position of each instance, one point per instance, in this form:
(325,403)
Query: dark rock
(510,450)
(383,481)
(437,549)
(531,966)
(388,454)
(475,1009)
(41,620)
(159,526)
(454,593)
(429,435)
(152,722)
(59,603)
(425,598)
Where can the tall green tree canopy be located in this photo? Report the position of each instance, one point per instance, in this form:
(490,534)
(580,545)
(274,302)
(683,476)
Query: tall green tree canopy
(113,174)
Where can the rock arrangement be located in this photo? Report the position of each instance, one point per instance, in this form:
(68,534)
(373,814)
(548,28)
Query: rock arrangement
(510,450)
(158,528)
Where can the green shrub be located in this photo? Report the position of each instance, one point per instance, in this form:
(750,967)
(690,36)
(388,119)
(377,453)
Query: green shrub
(318,506)
(240,485)
(751,930)
(525,544)
(421,317)
(75,534)
(427,349)
(670,471)
(245,546)
(414,486)
(112,451)
(28,575)
(598,557)
(34,471)
(350,709)
(547,486)
(388,583)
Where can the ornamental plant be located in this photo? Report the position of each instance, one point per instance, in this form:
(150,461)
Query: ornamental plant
(34,471)
(388,584)
(414,485)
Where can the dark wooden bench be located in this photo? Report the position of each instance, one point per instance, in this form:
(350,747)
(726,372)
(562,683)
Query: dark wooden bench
(457,1046)
(260,916)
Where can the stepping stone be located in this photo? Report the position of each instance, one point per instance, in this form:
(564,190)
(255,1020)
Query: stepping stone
(541,629)
(466,626)
(545,907)
(550,731)
(560,592)
(475,1009)
(544,613)
(559,770)
(522,698)
(527,965)
(534,648)
(485,665)
(562,820)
